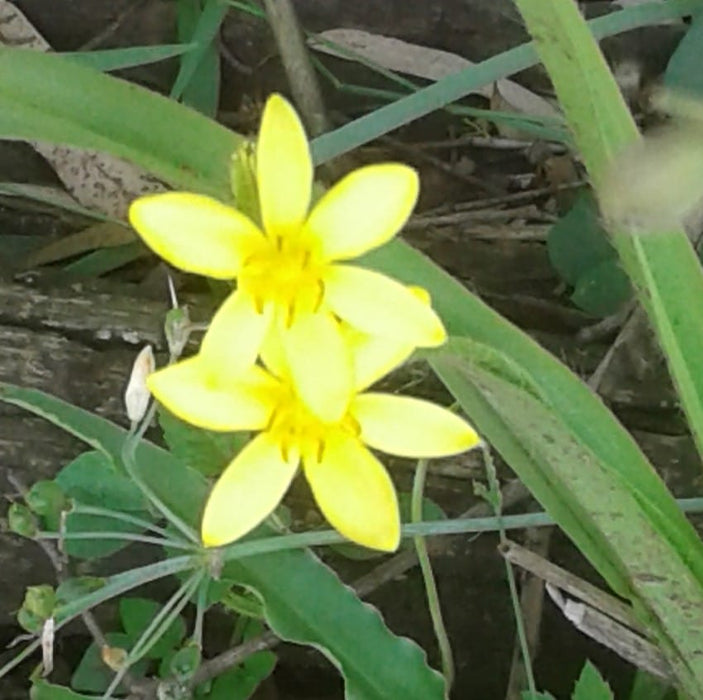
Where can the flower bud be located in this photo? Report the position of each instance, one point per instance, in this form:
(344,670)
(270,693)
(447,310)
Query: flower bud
(113,657)
(136,396)
(40,601)
(185,662)
(29,621)
(46,498)
(21,521)
(242,174)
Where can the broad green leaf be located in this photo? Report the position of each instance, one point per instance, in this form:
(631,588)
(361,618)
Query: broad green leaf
(136,615)
(41,690)
(92,479)
(591,685)
(93,676)
(204,450)
(310,606)
(128,57)
(611,519)
(102,261)
(683,72)
(43,96)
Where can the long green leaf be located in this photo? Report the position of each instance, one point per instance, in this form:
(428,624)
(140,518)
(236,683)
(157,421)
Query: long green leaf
(662,266)
(128,57)
(46,97)
(310,606)
(623,524)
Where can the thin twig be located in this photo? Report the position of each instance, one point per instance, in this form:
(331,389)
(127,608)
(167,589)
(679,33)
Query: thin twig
(296,62)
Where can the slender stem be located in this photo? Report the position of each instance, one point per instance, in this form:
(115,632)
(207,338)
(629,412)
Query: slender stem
(423,558)
(126,536)
(494,497)
(200,611)
(119,515)
(156,628)
(128,450)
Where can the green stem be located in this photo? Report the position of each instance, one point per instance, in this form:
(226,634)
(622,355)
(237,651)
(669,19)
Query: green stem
(128,450)
(119,515)
(423,557)
(125,536)
(494,498)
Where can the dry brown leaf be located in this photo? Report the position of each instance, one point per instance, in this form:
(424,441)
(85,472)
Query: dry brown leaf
(103,235)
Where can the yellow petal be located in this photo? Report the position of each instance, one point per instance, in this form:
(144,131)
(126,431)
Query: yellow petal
(355,493)
(363,210)
(196,393)
(374,356)
(235,334)
(248,491)
(379,305)
(195,233)
(409,427)
(283,168)
(320,364)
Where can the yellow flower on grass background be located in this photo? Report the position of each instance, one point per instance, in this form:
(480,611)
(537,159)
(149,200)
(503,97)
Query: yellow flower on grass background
(291,270)
(350,485)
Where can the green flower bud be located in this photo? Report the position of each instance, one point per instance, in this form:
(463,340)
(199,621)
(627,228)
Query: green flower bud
(185,662)
(21,521)
(29,621)
(40,601)
(242,173)
(46,498)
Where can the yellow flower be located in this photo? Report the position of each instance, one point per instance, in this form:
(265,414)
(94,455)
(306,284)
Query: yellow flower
(350,485)
(291,271)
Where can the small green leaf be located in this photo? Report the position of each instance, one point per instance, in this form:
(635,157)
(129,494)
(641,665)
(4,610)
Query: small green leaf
(136,615)
(648,687)
(21,520)
(41,690)
(91,479)
(93,676)
(603,289)
(591,685)
(40,600)
(46,498)
(240,682)
(577,242)
(185,662)
(203,450)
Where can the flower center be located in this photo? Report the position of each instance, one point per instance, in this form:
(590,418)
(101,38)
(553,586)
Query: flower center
(296,429)
(286,272)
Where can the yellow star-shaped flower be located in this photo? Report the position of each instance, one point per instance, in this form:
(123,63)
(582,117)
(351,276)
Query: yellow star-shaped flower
(350,485)
(292,272)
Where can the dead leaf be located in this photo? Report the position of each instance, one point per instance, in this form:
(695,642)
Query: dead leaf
(103,235)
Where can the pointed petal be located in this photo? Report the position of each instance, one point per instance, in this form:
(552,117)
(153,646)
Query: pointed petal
(283,168)
(409,427)
(236,333)
(355,493)
(363,210)
(320,364)
(374,357)
(194,391)
(355,293)
(195,233)
(248,491)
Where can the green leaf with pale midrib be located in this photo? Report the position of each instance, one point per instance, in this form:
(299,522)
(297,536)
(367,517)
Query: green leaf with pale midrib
(293,584)
(45,97)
